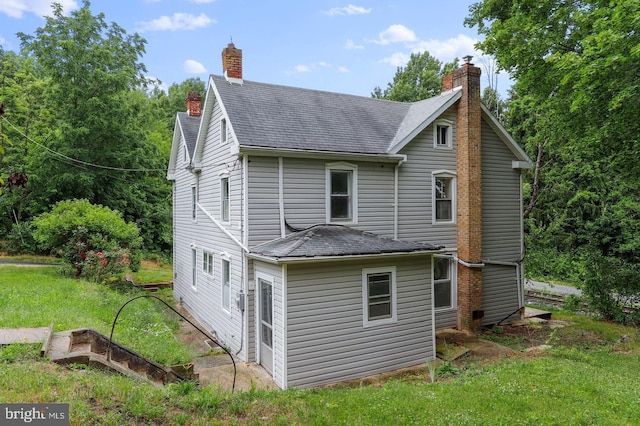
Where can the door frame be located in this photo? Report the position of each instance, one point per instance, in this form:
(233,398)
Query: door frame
(271,281)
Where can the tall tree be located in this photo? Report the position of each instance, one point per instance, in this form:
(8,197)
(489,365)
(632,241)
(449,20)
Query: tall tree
(420,79)
(577,71)
(101,147)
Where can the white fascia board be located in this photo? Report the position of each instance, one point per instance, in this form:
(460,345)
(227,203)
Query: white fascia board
(427,121)
(175,147)
(300,260)
(325,155)
(506,137)
(205,115)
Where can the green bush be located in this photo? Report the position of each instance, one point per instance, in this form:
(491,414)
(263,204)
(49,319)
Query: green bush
(94,240)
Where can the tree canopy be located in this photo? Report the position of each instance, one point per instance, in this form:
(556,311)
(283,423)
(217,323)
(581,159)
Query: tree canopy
(83,124)
(575,107)
(420,79)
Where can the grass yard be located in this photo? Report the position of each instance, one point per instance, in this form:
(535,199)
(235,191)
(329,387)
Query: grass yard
(590,377)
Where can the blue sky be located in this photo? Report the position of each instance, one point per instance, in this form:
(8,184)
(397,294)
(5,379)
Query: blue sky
(348,46)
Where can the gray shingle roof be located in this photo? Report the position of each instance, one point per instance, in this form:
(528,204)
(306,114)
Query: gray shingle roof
(272,116)
(189,126)
(336,240)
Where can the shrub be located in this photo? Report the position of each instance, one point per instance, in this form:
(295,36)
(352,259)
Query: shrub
(94,240)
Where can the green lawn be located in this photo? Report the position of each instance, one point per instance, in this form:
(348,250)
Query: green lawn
(590,377)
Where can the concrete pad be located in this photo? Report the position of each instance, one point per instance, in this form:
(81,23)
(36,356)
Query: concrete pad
(9,336)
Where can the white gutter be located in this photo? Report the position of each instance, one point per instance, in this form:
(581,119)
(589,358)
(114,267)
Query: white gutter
(314,259)
(467,264)
(223,229)
(283,232)
(309,153)
(395,196)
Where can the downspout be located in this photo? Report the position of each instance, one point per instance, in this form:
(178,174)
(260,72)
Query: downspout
(283,229)
(395,195)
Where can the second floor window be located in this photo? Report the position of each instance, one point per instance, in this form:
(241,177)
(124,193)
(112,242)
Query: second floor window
(223,130)
(444,197)
(224,199)
(341,193)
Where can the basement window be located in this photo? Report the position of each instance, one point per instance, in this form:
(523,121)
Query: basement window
(379,296)
(443,134)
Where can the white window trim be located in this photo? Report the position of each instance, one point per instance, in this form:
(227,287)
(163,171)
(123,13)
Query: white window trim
(209,253)
(342,166)
(224,257)
(366,322)
(453,277)
(194,202)
(454,182)
(224,177)
(194,268)
(443,123)
(224,131)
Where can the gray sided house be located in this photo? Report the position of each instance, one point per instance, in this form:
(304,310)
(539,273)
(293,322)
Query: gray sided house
(327,236)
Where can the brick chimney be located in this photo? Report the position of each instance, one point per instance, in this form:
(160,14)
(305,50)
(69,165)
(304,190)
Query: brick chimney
(194,104)
(469,195)
(232,62)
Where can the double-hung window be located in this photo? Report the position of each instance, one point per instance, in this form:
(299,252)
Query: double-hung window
(223,130)
(444,283)
(224,199)
(444,197)
(379,296)
(226,283)
(342,202)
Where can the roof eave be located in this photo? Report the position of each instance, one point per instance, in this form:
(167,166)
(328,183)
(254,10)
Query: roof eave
(314,259)
(303,153)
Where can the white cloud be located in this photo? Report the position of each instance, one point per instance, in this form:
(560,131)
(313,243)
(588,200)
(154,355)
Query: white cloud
(2,41)
(352,46)
(396,33)
(301,68)
(193,67)
(447,50)
(343,70)
(16,8)
(348,10)
(398,59)
(179,21)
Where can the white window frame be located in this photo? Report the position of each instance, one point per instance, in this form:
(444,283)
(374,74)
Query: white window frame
(225,199)
(194,268)
(225,281)
(194,202)
(452,280)
(366,272)
(223,130)
(437,126)
(352,192)
(443,174)
(207,262)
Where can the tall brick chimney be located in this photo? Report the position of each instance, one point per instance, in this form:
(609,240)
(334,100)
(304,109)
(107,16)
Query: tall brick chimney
(194,104)
(469,196)
(232,62)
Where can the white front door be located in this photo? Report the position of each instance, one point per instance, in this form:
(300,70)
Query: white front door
(266,324)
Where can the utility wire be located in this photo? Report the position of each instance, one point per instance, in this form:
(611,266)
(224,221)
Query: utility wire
(79,163)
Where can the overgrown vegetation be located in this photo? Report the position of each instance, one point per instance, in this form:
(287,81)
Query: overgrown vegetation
(589,377)
(94,240)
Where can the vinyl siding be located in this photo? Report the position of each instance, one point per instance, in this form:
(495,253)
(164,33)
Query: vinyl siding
(205,303)
(305,196)
(501,227)
(327,342)
(415,195)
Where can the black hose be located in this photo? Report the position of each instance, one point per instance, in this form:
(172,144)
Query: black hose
(184,318)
